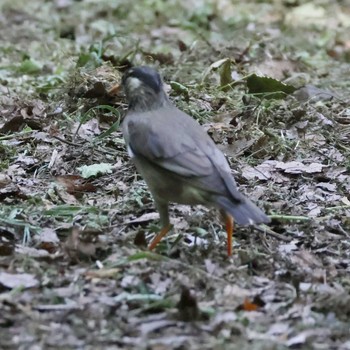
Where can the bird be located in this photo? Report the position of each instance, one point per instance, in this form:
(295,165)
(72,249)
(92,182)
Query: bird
(176,157)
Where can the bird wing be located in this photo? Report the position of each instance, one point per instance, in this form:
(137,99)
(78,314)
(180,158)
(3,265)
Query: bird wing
(172,140)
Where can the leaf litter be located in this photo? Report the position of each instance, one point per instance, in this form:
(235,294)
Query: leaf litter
(74,271)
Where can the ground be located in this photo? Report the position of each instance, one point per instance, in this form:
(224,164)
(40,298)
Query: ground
(269,81)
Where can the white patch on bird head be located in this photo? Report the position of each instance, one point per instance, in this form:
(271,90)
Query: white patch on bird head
(133,83)
(130,152)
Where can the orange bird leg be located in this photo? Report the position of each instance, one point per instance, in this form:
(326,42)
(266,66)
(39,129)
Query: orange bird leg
(229,231)
(159,236)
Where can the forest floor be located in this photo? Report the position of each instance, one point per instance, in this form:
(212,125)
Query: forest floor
(75,215)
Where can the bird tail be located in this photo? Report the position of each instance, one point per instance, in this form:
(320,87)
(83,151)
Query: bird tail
(244,212)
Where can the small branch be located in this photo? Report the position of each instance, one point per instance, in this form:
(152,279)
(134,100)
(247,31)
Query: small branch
(265,229)
(339,207)
(16,134)
(67,142)
(290,217)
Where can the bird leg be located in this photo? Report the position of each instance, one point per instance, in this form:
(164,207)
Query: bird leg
(229,230)
(163,209)
(159,236)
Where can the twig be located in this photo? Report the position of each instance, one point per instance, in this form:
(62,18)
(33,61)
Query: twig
(17,134)
(338,207)
(67,142)
(266,229)
(290,217)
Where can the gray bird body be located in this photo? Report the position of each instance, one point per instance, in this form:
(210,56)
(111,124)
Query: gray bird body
(178,160)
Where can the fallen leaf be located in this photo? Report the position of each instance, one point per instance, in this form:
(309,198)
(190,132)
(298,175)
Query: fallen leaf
(66,197)
(327,186)
(224,66)
(144,218)
(296,167)
(75,184)
(249,306)
(234,292)
(268,87)
(21,280)
(4,180)
(280,329)
(288,247)
(32,252)
(48,235)
(95,169)
(47,240)
(274,68)
(303,337)
(309,92)
(81,244)
(26,160)
(264,171)
(13,125)
(103,273)
(261,172)
(11,190)
(225,75)
(98,90)
(87,130)
(29,66)
(179,89)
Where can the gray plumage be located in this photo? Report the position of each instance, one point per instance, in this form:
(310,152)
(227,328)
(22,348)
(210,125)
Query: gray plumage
(178,160)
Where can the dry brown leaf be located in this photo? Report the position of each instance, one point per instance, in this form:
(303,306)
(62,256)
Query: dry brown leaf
(75,184)
(65,196)
(249,306)
(13,125)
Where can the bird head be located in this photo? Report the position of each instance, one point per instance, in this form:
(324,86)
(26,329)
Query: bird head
(144,90)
